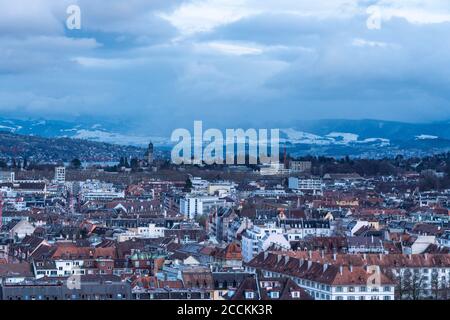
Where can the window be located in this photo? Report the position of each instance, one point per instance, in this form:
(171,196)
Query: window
(362,289)
(387,289)
(249,295)
(274,294)
(351,289)
(339,298)
(387,298)
(339,289)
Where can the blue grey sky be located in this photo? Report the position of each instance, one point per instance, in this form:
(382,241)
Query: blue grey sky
(165,63)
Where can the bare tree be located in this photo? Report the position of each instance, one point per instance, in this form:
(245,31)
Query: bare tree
(417,286)
(401,289)
(412,285)
(445,289)
(435,286)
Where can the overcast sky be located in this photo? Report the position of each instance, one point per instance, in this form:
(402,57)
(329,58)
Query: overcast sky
(164,63)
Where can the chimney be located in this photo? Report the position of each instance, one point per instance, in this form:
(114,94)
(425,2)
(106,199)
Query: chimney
(340,270)
(365,256)
(325,267)
(334,256)
(371,238)
(300,263)
(323,254)
(381,256)
(266,255)
(410,256)
(310,254)
(426,256)
(309,264)
(286,259)
(279,257)
(350,267)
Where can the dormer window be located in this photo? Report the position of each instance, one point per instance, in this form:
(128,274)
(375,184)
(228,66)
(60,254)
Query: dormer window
(249,295)
(295,294)
(274,294)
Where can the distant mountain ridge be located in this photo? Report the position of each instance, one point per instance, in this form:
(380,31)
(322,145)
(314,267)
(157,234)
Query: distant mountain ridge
(376,128)
(92,131)
(41,149)
(333,137)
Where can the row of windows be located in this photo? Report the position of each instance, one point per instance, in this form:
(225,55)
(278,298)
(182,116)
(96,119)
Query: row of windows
(363,289)
(364,298)
(69,297)
(425,270)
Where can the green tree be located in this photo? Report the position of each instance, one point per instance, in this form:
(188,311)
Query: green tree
(188,185)
(75,163)
(134,164)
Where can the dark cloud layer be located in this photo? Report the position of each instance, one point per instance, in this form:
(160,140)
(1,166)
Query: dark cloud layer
(163,64)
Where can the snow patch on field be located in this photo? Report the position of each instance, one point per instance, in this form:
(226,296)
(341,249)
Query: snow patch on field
(117,138)
(426,137)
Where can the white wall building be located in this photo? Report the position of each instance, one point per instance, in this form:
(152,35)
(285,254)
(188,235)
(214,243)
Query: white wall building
(194,205)
(306,184)
(259,238)
(60,175)
(96,190)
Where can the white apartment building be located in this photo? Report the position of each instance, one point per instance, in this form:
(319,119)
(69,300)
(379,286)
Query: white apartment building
(152,231)
(58,268)
(222,189)
(272,169)
(199,184)
(11,199)
(193,205)
(259,238)
(60,175)
(306,184)
(96,190)
(300,229)
(270,193)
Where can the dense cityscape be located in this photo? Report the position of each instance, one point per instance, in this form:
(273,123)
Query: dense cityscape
(221,158)
(312,228)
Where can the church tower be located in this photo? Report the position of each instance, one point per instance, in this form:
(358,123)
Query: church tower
(150,154)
